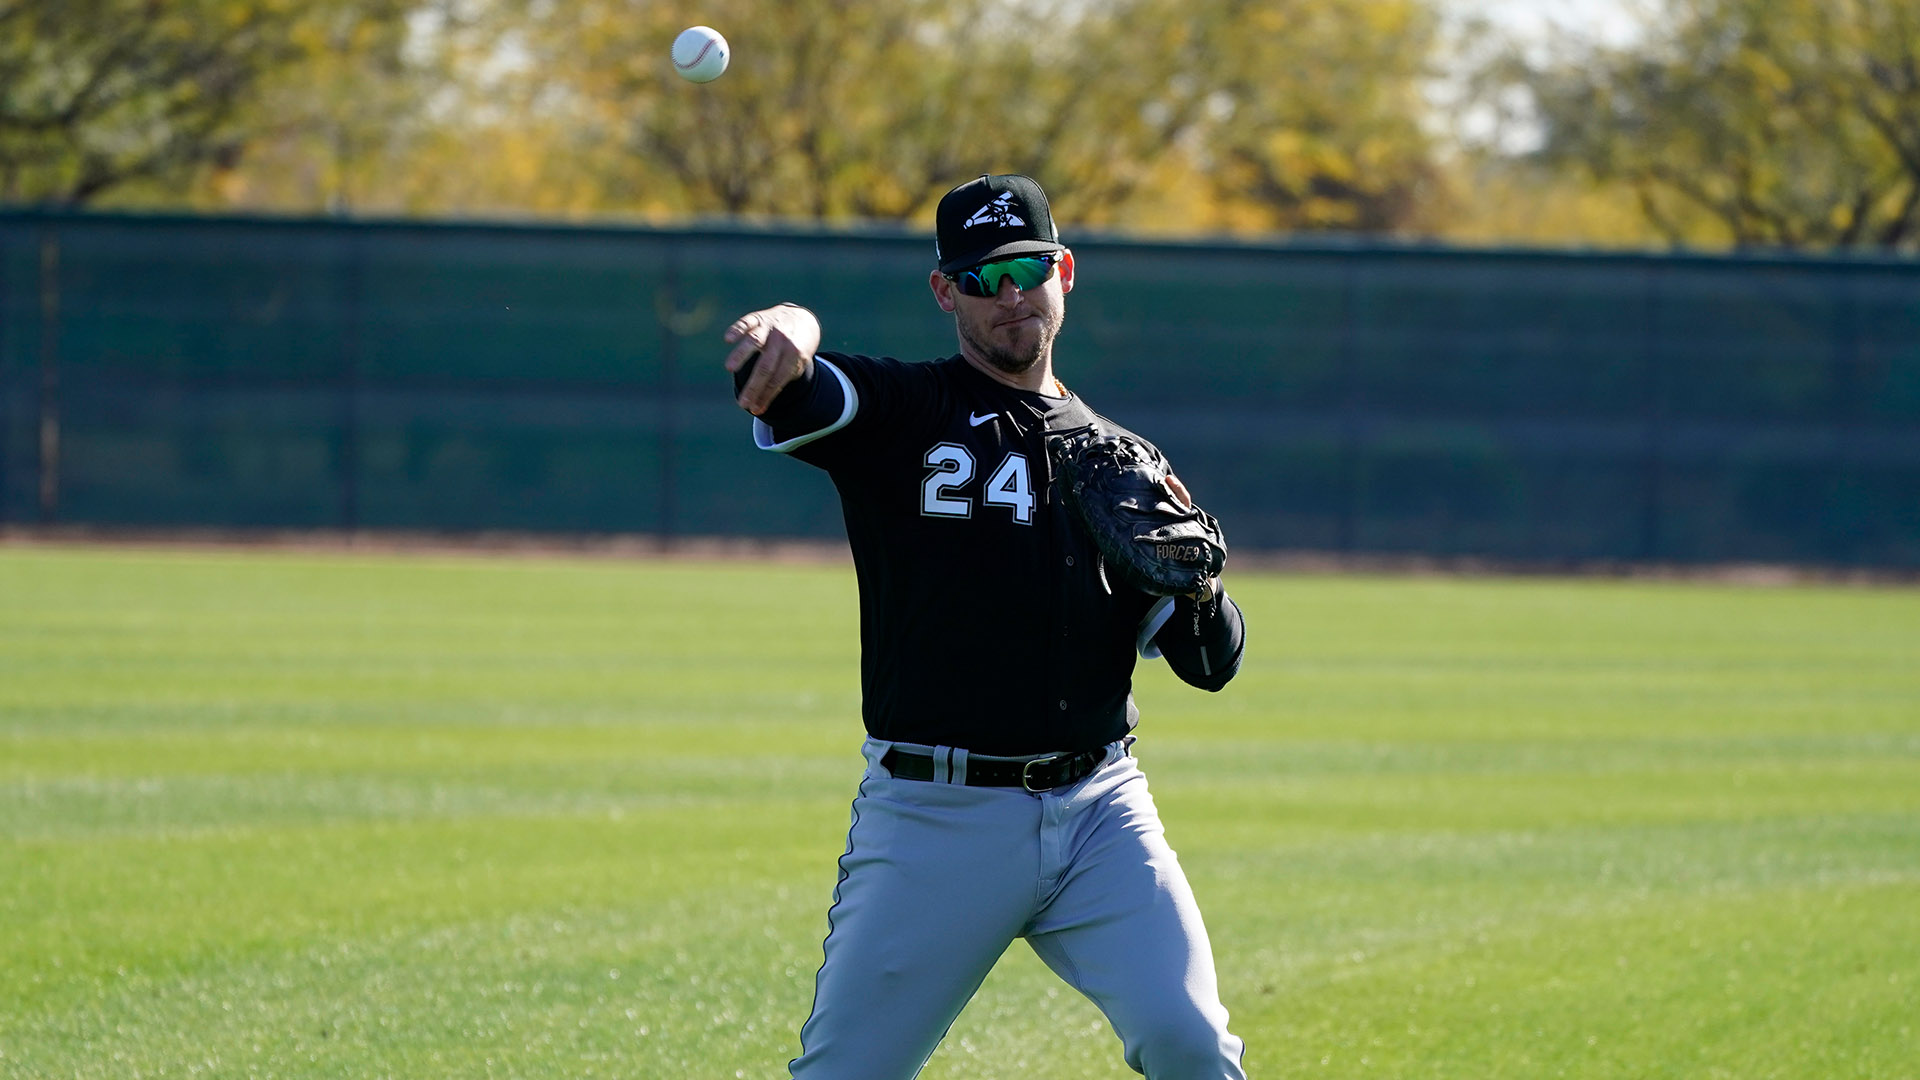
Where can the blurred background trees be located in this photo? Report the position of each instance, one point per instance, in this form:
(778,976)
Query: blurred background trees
(1722,122)
(104,95)
(1792,123)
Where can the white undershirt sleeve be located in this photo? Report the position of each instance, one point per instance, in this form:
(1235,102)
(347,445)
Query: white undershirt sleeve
(1157,617)
(764,438)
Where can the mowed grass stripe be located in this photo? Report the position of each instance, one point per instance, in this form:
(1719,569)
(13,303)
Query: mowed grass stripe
(323,815)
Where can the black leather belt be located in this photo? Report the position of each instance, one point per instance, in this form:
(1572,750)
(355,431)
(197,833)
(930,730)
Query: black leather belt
(1033,774)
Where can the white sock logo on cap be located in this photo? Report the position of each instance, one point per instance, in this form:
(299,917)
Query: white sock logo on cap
(998,212)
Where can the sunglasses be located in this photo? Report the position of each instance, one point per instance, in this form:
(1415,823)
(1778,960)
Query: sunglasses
(1026,272)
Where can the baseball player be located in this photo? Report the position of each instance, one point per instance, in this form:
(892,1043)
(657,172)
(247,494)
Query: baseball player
(1000,799)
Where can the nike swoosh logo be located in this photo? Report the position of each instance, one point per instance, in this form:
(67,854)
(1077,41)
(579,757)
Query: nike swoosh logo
(976,420)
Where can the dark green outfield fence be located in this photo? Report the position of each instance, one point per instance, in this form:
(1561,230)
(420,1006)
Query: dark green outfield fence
(250,373)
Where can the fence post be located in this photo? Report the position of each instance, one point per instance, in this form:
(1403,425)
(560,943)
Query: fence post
(1842,542)
(669,388)
(1653,467)
(49,492)
(353,303)
(1348,527)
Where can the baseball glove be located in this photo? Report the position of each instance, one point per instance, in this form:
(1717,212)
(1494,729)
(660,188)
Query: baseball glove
(1115,485)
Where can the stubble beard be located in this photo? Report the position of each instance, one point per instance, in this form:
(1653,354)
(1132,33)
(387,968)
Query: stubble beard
(1009,360)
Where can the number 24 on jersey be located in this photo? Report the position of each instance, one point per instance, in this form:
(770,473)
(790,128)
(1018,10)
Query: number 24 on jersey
(1010,485)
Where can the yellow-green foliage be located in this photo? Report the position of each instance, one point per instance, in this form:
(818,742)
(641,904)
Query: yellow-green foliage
(1752,122)
(1755,122)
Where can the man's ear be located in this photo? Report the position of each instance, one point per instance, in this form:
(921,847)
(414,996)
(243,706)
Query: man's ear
(942,291)
(1066,270)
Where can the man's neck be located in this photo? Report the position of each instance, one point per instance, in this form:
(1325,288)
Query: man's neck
(1038,378)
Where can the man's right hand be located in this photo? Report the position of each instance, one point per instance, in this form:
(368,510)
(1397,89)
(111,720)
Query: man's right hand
(784,338)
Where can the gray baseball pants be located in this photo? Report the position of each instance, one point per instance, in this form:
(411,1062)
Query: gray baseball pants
(939,878)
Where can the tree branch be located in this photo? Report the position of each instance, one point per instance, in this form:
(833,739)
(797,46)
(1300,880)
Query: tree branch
(1643,192)
(1897,230)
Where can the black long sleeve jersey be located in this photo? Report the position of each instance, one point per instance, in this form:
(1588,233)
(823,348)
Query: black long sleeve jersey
(985,622)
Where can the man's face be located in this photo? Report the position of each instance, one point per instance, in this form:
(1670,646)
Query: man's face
(1013,329)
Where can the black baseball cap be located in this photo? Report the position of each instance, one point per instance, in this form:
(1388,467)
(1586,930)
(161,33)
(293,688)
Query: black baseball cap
(993,217)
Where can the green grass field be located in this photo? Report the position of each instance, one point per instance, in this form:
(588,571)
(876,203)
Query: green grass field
(310,815)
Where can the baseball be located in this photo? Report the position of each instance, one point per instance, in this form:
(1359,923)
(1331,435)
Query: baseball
(700,54)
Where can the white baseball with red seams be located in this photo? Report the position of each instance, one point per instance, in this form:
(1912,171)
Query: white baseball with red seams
(700,54)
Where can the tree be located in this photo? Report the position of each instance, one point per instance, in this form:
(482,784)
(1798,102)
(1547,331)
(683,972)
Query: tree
(1225,114)
(1313,115)
(282,104)
(346,123)
(1790,123)
(95,94)
(1234,113)
(833,109)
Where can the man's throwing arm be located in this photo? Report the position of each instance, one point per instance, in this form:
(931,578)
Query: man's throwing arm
(1201,639)
(815,404)
(776,377)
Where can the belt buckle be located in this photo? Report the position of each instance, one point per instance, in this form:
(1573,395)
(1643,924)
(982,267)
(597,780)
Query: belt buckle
(1026,776)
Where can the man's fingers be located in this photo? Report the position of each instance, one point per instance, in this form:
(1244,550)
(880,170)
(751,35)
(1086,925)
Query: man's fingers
(743,352)
(776,367)
(755,394)
(768,334)
(741,325)
(1180,490)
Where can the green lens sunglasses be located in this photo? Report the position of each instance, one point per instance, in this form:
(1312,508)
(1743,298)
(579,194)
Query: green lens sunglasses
(1026,272)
